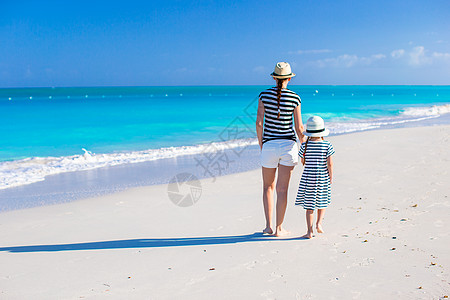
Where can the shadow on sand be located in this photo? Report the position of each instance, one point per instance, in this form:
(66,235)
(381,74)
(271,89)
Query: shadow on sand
(148,243)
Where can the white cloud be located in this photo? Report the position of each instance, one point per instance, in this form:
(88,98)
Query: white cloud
(398,53)
(418,56)
(441,56)
(369,60)
(313,51)
(378,56)
(342,60)
(28,73)
(259,69)
(348,60)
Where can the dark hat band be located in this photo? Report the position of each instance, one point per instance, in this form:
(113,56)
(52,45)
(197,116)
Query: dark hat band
(315,131)
(275,74)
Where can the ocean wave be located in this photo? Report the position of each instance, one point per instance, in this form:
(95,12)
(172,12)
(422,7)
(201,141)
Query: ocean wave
(435,110)
(348,127)
(30,170)
(408,115)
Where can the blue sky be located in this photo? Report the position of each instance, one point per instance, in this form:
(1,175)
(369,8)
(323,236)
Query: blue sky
(154,43)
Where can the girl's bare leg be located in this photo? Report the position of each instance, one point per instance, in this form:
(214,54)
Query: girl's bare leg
(309,223)
(284,176)
(320,214)
(268,175)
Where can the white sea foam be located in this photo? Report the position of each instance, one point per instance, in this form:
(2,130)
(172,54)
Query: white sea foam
(30,170)
(435,110)
(408,115)
(340,128)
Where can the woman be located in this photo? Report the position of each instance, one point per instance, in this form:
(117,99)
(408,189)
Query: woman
(277,107)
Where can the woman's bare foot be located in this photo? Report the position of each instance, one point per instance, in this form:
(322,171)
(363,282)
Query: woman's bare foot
(281,232)
(319,228)
(268,230)
(308,235)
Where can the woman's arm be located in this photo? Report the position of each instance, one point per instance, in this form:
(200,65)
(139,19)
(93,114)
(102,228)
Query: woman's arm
(330,167)
(259,122)
(298,124)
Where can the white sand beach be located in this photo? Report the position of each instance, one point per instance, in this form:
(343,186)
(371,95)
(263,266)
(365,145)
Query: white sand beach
(386,235)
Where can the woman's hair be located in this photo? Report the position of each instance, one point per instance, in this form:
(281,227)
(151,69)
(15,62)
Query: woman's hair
(279,87)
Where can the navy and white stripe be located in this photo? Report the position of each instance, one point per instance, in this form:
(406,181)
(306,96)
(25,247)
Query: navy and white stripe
(314,191)
(274,127)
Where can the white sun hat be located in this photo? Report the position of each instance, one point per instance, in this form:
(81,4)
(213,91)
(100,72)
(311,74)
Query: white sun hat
(315,127)
(282,71)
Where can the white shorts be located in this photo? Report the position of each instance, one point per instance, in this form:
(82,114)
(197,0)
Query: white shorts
(283,152)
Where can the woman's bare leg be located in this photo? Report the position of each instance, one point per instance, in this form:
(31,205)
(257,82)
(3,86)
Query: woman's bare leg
(309,223)
(320,214)
(268,175)
(284,176)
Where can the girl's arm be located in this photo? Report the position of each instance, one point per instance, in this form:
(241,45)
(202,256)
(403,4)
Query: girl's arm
(298,124)
(330,167)
(259,122)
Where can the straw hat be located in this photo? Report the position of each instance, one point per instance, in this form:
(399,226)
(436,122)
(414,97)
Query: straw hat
(282,71)
(315,127)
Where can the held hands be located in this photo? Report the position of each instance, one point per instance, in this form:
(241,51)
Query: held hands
(302,139)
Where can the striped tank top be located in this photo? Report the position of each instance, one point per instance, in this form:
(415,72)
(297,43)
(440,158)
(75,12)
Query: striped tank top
(279,128)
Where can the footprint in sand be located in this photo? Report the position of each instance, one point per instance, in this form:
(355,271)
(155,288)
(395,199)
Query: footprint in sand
(250,265)
(275,276)
(298,296)
(356,294)
(418,213)
(333,258)
(334,280)
(267,294)
(244,218)
(195,280)
(438,223)
(364,263)
(446,204)
(216,229)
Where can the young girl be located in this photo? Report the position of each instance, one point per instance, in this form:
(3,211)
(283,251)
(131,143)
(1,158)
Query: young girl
(314,191)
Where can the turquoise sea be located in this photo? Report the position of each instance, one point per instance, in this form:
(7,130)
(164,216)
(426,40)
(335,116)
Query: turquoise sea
(48,131)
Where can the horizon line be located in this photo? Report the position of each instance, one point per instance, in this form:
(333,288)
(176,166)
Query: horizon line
(206,85)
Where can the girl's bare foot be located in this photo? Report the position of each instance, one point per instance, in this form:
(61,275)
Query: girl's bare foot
(319,228)
(308,235)
(267,230)
(281,232)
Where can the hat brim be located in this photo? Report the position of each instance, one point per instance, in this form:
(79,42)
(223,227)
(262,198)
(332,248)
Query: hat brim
(274,75)
(326,132)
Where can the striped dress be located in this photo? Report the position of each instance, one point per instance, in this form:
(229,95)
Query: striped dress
(274,127)
(314,191)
